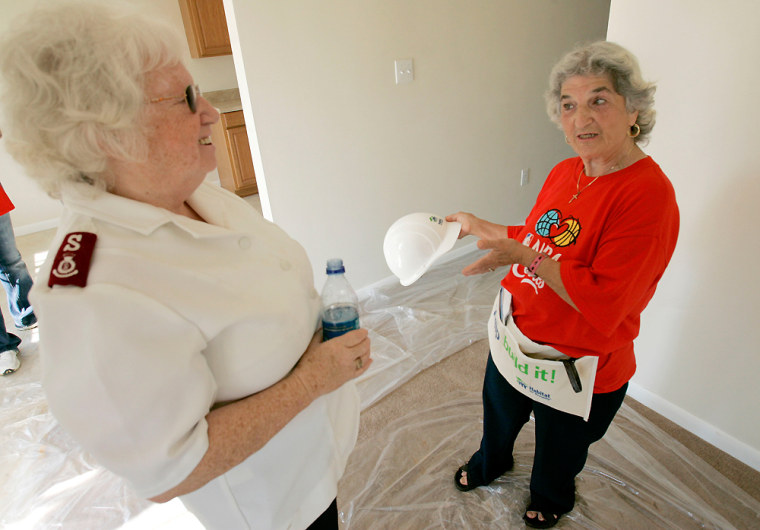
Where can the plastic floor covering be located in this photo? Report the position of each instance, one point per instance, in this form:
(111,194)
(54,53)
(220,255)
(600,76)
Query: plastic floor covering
(402,476)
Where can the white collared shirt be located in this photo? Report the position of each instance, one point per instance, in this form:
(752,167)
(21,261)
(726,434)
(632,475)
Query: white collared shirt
(176,315)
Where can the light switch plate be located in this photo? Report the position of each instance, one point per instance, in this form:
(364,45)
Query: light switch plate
(404,71)
(524,176)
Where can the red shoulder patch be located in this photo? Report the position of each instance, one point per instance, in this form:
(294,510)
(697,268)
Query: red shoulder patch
(72,262)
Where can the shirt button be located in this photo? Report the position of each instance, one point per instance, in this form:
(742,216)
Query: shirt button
(244,243)
(285,265)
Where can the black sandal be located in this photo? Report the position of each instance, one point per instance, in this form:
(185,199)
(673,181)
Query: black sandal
(550,519)
(458,480)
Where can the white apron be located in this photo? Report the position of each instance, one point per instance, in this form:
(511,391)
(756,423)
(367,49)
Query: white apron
(540,372)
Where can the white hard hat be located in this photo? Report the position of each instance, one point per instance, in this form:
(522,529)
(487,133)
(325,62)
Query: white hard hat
(415,241)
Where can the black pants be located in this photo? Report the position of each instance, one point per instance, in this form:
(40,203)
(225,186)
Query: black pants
(328,520)
(562,440)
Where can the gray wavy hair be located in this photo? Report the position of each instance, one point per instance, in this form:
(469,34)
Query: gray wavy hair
(604,58)
(72,77)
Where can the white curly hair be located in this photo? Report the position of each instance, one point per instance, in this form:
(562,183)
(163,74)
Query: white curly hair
(72,76)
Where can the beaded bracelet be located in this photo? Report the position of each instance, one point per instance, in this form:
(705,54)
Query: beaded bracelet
(536,262)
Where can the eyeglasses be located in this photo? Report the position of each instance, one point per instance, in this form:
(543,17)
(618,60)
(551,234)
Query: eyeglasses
(192,92)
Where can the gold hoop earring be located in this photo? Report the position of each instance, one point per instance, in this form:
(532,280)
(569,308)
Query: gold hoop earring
(635,127)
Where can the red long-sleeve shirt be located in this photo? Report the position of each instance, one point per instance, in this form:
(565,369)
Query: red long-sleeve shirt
(613,244)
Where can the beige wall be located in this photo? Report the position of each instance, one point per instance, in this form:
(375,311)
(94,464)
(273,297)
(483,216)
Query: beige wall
(34,209)
(341,151)
(698,350)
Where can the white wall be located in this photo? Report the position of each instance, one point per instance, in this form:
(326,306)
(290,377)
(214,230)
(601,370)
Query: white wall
(34,209)
(341,151)
(698,350)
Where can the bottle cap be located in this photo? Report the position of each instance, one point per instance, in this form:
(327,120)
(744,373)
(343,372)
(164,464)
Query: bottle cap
(335,266)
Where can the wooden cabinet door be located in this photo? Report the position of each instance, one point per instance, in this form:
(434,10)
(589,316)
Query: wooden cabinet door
(240,153)
(205,27)
(233,154)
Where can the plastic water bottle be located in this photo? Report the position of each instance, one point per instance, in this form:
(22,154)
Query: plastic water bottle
(340,306)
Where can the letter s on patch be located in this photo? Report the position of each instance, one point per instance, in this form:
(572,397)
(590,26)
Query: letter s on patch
(72,262)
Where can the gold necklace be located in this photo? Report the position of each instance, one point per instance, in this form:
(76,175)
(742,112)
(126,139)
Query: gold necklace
(578,189)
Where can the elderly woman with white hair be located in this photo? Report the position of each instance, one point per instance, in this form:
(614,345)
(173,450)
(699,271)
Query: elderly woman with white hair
(177,326)
(580,271)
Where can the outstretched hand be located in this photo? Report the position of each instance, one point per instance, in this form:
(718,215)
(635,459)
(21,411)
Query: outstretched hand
(504,252)
(325,366)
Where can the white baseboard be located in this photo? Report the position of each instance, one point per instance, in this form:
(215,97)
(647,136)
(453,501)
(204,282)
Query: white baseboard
(24,230)
(709,433)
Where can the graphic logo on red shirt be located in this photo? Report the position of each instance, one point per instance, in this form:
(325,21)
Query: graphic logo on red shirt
(562,232)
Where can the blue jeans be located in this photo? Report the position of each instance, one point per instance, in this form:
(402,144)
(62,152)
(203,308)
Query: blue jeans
(17,282)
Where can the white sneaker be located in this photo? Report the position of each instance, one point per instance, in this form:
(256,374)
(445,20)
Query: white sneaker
(9,362)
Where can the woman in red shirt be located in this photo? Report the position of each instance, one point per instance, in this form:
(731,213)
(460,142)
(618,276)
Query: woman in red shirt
(581,270)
